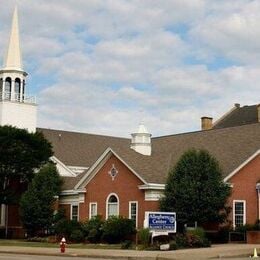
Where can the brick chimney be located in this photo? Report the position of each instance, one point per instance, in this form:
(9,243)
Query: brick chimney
(206,123)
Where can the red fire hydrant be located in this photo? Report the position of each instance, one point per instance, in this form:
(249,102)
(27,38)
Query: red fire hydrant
(62,245)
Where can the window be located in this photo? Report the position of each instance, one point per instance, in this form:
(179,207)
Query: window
(112,205)
(17,89)
(74,212)
(2,215)
(23,88)
(1,86)
(133,211)
(239,213)
(92,209)
(8,88)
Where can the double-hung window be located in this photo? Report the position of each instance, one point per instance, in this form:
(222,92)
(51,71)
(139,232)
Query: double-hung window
(133,211)
(92,209)
(239,213)
(75,212)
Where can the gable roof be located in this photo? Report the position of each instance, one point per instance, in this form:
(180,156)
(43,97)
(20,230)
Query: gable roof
(230,146)
(252,157)
(90,174)
(238,116)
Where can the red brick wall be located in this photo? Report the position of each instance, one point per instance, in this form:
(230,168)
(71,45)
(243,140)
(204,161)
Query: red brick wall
(125,185)
(66,208)
(244,188)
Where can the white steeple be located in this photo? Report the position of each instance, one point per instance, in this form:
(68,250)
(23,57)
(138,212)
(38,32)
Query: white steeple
(16,108)
(141,141)
(13,59)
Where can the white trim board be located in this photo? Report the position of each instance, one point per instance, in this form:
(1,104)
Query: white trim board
(63,167)
(244,212)
(152,186)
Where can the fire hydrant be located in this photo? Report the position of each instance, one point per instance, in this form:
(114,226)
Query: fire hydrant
(62,245)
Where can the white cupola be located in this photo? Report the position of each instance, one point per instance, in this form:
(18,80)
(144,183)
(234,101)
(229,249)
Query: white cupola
(141,141)
(16,108)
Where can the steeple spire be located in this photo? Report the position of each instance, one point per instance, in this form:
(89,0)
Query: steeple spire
(13,58)
(16,108)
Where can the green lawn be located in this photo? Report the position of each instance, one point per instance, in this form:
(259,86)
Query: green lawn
(24,243)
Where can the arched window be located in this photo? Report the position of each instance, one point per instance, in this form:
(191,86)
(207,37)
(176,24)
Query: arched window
(112,205)
(8,83)
(23,88)
(17,88)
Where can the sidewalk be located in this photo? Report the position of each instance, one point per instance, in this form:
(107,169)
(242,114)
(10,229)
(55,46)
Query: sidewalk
(216,251)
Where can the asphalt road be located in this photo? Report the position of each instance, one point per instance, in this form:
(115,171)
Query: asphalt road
(36,257)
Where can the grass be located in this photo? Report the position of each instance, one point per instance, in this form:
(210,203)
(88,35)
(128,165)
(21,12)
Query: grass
(24,243)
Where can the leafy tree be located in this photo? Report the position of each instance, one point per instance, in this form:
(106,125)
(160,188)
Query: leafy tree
(195,189)
(38,201)
(21,153)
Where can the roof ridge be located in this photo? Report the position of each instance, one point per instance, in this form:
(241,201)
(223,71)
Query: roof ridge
(227,114)
(205,131)
(82,133)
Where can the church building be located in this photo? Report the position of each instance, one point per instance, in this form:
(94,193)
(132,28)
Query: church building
(107,175)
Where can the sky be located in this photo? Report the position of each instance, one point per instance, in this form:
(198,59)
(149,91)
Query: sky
(105,66)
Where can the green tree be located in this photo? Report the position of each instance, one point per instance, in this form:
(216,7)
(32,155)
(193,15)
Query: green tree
(38,201)
(21,153)
(195,189)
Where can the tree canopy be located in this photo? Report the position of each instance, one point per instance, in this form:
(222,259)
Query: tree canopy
(21,153)
(37,203)
(195,189)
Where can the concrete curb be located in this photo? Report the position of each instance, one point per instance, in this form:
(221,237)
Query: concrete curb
(227,252)
(121,257)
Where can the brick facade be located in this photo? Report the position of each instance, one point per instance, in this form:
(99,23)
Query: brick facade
(125,186)
(244,189)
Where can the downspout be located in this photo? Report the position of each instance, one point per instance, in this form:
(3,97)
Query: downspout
(258,195)
(6,221)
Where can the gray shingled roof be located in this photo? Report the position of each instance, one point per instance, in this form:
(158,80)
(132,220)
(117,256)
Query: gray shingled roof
(231,146)
(239,116)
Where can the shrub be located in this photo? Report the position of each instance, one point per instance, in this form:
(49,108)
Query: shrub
(93,229)
(65,228)
(173,245)
(192,239)
(181,241)
(197,238)
(118,229)
(77,236)
(144,237)
(199,232)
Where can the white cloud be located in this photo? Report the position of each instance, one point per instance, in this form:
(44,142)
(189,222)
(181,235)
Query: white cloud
(104,66)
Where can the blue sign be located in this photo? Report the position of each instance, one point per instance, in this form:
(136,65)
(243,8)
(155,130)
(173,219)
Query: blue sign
(163,221)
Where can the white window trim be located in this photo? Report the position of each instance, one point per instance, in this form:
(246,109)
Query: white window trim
(107,203)
(244,215)
(71,206)
(136,220)
(2,217)
(90,204)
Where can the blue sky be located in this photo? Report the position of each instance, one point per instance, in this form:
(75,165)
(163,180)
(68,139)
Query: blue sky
(103,67)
